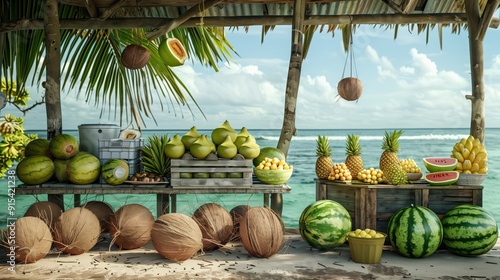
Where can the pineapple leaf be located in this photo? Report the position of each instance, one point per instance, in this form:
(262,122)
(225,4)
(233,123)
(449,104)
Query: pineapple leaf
(323,148)
(390,141)
(352,147)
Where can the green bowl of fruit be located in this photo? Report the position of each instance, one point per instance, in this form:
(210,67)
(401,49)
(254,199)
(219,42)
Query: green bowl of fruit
(273,177)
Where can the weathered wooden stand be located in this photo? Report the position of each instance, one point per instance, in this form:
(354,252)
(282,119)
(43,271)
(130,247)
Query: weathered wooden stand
(166,196)
(372,206)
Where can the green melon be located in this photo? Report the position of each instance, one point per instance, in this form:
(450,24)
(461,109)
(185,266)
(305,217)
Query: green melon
(60,173)
(83,168)
(415,232)
(324,224)
(436,164)
(63,146)
(172,52)
(115,171)
(37,147)
(35,170)
(469,230)
(269,152)
(442,178)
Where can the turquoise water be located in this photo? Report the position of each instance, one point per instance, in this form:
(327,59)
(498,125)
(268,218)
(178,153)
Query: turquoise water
(415,143)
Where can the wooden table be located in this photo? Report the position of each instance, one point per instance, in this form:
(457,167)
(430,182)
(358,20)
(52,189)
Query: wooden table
(166,200)
(372,206)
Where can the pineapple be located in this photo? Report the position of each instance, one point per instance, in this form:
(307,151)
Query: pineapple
(390,145)
(153,156)
(324,163)
(395,174)
(353,161)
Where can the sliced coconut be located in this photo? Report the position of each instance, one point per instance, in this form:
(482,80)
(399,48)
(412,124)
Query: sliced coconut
(130,134)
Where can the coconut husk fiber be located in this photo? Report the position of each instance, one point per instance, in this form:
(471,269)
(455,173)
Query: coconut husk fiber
(216,225)
(236,213)
(130,226)
(103,211)
(76,231)
(32,238)
(48,211)
(261,232)
(176,236)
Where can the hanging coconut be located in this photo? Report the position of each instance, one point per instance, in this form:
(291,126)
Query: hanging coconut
(236,213)
(130,226)
(176,236)
(102,211)
(215,224)
(350,88)
(135,56)
(261,232)
(32,239)
(48,211)
(76,231)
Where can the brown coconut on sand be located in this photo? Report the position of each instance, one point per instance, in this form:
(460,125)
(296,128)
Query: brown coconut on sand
(176,236)
(130,226)
(102,211)
(236,213)
(32,237)
(216,225)
(261,232)
(76,231)
(48,211)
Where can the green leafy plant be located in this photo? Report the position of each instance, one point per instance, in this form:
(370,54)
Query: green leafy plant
(153,156)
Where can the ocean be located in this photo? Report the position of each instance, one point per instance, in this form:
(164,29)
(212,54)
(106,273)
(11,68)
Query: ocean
(414,143)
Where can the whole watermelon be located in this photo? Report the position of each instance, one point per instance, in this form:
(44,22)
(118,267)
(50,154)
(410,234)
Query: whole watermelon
(415,232)
(324,224)
(63,146)
(35,170)
(469,230)
(115,171)
(38,146)
(83,168)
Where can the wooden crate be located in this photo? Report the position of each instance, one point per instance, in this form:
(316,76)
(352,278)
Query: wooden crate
(372,206)
(179,166)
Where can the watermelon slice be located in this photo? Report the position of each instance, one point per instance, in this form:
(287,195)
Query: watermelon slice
(442,178)
(436,164)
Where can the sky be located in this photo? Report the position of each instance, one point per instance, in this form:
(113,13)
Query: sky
(407,83)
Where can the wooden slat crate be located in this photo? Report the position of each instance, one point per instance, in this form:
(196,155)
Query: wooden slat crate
(179,166)
(372,206)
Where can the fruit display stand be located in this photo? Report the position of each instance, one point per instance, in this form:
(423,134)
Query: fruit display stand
(166,200)
(372,206)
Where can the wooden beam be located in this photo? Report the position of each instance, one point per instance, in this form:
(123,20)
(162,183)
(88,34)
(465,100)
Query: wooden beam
(91,8)
(488,12)
(402,7)
(173,23)
(126,23)
(112,9)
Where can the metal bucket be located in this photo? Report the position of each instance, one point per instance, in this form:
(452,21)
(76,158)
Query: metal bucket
(91,133)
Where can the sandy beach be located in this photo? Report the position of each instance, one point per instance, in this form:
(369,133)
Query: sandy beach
(296,260)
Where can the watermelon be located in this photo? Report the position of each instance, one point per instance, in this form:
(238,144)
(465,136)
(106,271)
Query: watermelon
(436,164)
(60,173)
(83,168)
(469,230)
(115,171)
(269,152)
(63,146)
(35,170)
(324,224)
(442,178)
(415,232)
(37,147)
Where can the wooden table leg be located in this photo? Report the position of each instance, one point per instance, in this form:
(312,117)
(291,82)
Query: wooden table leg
(277,203)
(173,203)
(58,199)
(76,200)
(162,204)
(266,200)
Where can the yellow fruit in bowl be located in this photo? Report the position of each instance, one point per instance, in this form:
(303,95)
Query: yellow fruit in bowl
(366,233)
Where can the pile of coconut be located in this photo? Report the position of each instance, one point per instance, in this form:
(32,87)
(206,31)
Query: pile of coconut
(175,236)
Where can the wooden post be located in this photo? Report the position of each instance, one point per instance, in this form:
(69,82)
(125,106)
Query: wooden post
(477,125)
(53,67)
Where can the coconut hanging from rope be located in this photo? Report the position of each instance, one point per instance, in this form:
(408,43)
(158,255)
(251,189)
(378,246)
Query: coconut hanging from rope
(135,56)
(350,88)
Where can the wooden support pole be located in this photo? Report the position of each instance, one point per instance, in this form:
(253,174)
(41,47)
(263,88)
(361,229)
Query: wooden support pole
(52,84)
(477,126)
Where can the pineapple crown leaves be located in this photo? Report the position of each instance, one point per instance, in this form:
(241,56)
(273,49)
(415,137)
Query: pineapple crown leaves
(323,148)
(153,156)
(352,147)
(390,141)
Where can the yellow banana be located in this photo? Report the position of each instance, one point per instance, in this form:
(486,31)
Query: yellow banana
(472,156)
(467,172)
(474,168)
(482,163)
(465,153)
(463,141)
(477,142)
(467,165)
(483,170)
(476,149)
(479,157)
(470,138)
(458,156)
(459,166)
(469,145)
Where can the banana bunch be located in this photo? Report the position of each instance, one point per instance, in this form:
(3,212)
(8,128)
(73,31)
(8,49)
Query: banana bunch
(11,147)
(153,156)
(471,155)
(10,125)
